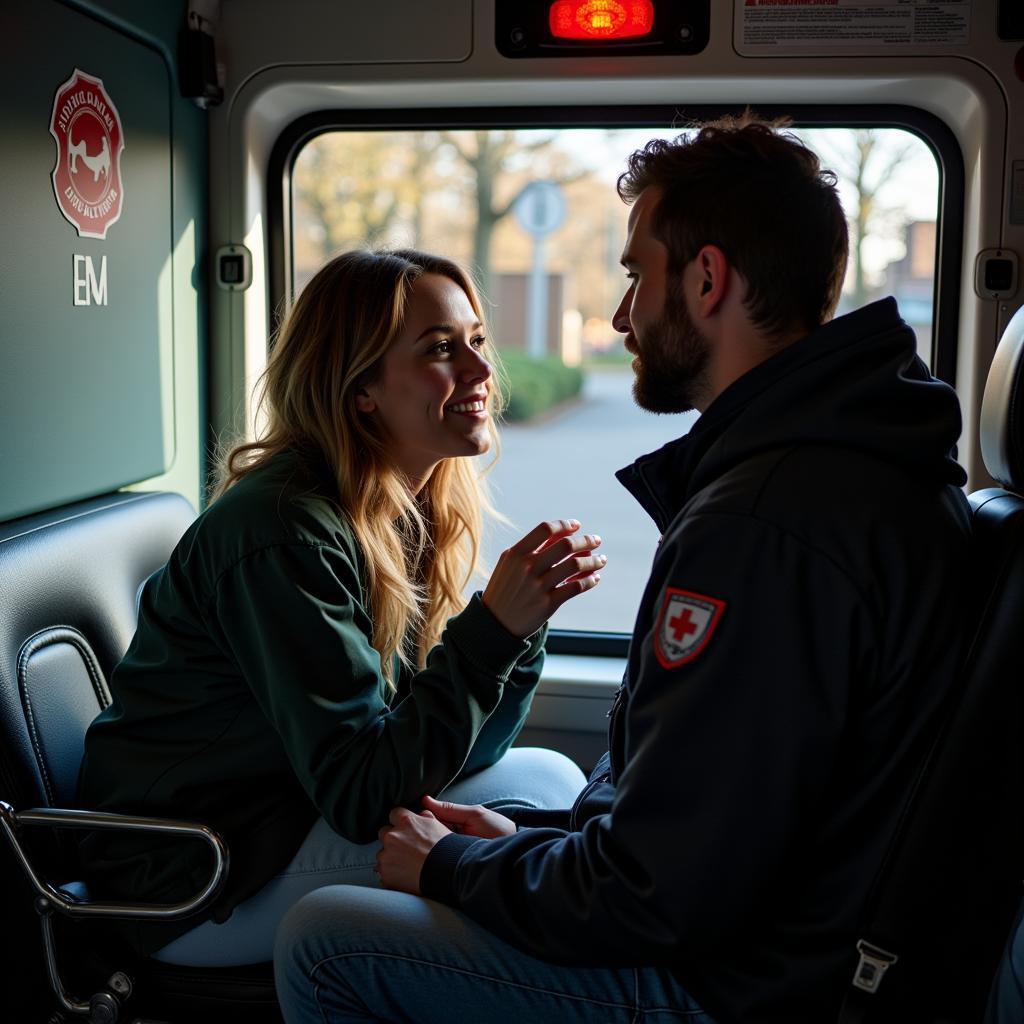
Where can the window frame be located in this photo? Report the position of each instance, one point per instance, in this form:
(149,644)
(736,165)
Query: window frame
(931,130)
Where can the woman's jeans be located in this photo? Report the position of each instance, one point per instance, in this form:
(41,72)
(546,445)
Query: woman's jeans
(524,777)
(345,954)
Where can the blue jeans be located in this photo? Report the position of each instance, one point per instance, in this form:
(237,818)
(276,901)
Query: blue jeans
(345,954)
(524,777)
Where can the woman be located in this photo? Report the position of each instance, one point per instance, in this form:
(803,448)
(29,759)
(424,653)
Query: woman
(305,660)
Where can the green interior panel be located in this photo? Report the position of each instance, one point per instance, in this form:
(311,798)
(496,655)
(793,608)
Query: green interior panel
(86,391)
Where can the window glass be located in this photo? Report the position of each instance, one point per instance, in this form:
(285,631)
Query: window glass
(535,216)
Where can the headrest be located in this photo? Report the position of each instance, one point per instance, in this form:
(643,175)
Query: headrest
(1002,409)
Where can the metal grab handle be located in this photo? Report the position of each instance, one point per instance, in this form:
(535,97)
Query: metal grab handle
(55,817)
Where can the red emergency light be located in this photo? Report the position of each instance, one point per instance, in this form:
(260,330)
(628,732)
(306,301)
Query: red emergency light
(600,19)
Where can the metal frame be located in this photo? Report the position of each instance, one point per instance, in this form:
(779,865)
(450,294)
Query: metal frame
(103,1005)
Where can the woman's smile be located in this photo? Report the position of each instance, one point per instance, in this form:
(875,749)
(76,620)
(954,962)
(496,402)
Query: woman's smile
(474,407)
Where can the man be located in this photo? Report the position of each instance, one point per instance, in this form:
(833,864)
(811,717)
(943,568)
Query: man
(798,632)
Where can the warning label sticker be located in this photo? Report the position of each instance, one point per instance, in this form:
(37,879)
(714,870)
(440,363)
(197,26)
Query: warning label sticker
(825,26)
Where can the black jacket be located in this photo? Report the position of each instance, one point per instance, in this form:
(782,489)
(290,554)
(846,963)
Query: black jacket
(803,619)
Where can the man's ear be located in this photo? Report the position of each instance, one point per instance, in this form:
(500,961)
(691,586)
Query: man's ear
(713,277)
(364,403)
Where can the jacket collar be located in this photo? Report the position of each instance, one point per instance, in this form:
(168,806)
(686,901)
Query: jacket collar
(855,382)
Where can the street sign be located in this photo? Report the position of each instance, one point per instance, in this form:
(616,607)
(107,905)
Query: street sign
(540,208)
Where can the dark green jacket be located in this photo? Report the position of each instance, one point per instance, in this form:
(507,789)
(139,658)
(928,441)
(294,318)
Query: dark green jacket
(252,700)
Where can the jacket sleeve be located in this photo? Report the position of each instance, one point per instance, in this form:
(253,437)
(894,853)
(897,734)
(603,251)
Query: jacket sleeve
(291,617)
(724,757)
(507,719)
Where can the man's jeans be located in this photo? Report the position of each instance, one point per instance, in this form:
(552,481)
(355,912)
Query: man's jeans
(345,954)
(524,777)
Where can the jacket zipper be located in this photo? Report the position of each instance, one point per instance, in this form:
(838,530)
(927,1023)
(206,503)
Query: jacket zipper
(605,776)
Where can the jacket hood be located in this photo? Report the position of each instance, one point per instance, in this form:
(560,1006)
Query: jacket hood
(854,383)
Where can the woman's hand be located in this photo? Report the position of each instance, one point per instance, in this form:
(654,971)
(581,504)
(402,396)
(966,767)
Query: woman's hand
(540,573)
(470,819)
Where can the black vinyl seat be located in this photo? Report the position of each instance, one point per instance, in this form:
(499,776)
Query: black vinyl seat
(70,581)
(948,892)
(1002,445)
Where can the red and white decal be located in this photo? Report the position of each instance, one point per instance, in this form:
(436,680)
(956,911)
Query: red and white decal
(87,177)
(685,625)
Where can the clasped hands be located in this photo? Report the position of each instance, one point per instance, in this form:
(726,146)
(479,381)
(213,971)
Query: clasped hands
(409,838)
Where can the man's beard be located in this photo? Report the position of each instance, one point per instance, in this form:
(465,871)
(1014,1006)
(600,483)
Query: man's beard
(672,370)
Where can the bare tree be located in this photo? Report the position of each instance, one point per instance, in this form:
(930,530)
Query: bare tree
(488,155)
(363,188)
(865,161)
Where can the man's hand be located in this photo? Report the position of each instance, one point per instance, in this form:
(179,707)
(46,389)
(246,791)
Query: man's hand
(404,847)
(470,819)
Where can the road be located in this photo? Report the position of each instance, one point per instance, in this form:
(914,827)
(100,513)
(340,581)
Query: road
(564,468)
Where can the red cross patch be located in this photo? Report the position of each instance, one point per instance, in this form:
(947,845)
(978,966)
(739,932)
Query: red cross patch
(685,625)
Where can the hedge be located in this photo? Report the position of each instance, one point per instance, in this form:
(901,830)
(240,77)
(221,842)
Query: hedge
(535,385)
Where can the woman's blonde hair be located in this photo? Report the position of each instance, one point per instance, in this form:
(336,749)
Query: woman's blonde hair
(419,551)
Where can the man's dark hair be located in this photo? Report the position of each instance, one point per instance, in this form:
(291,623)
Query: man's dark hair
(762,197)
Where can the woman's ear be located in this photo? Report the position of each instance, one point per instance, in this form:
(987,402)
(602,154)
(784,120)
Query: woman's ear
(364,403)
